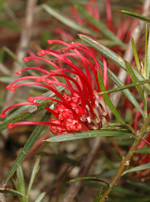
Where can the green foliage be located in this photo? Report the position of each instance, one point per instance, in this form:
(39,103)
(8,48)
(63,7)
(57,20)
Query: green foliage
(20,184)
(27,147)
(89,134)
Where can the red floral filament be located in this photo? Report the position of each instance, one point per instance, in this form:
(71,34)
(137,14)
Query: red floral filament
(81,109)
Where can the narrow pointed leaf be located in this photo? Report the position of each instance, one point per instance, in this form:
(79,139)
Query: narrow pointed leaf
(108,101)
(89,134)
(137,168)
(70,23)
(139,185)
(125,87)
(134,79)
(111,55)
(21,183)
(11,191)
(145,73)
(97,198)
(104,30)
(30,142)
(89,178)
(143,151)
(135,54)
(34,172)
(10,25)
(15,183)
(40,197)
(136,16)
(148,57)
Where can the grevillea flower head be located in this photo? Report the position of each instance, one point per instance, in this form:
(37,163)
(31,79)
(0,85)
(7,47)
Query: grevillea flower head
(83,108)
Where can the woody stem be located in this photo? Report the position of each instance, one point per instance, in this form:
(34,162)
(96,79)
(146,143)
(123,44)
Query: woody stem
(127,158)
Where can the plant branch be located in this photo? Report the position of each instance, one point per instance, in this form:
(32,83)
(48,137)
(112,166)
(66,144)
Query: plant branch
(126,160)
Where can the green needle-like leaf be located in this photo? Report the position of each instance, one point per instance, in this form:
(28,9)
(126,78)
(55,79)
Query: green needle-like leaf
(148,57)
(134,79)
(97,198)
(34,172)
(29,144)
(136,16)
(143,151)
(137,168)
(21,183)
(11,191)
(40,197)
(89,178)
(145,72)
(108,101)
(89,134)
(135,54)
(125,87)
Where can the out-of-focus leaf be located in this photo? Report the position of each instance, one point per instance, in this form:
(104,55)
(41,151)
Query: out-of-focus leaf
(21,183)
(108,101)
(12,191)
(89,178)
(70,23)
(109,173)
(136,16)
(111,55)
(139,185)
(104,30)
(137,168)
(125,191)
(133,199)
(34,172)
(135,54)
(40,197)
(22,64)
(10,25)
(30,142)
(61,157)
(97,198)
(1,6)
(63,3)
(1,56)
(143,151)
(89,134)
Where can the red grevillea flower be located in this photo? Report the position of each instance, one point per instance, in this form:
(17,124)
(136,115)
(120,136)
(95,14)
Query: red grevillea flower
(83,107)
